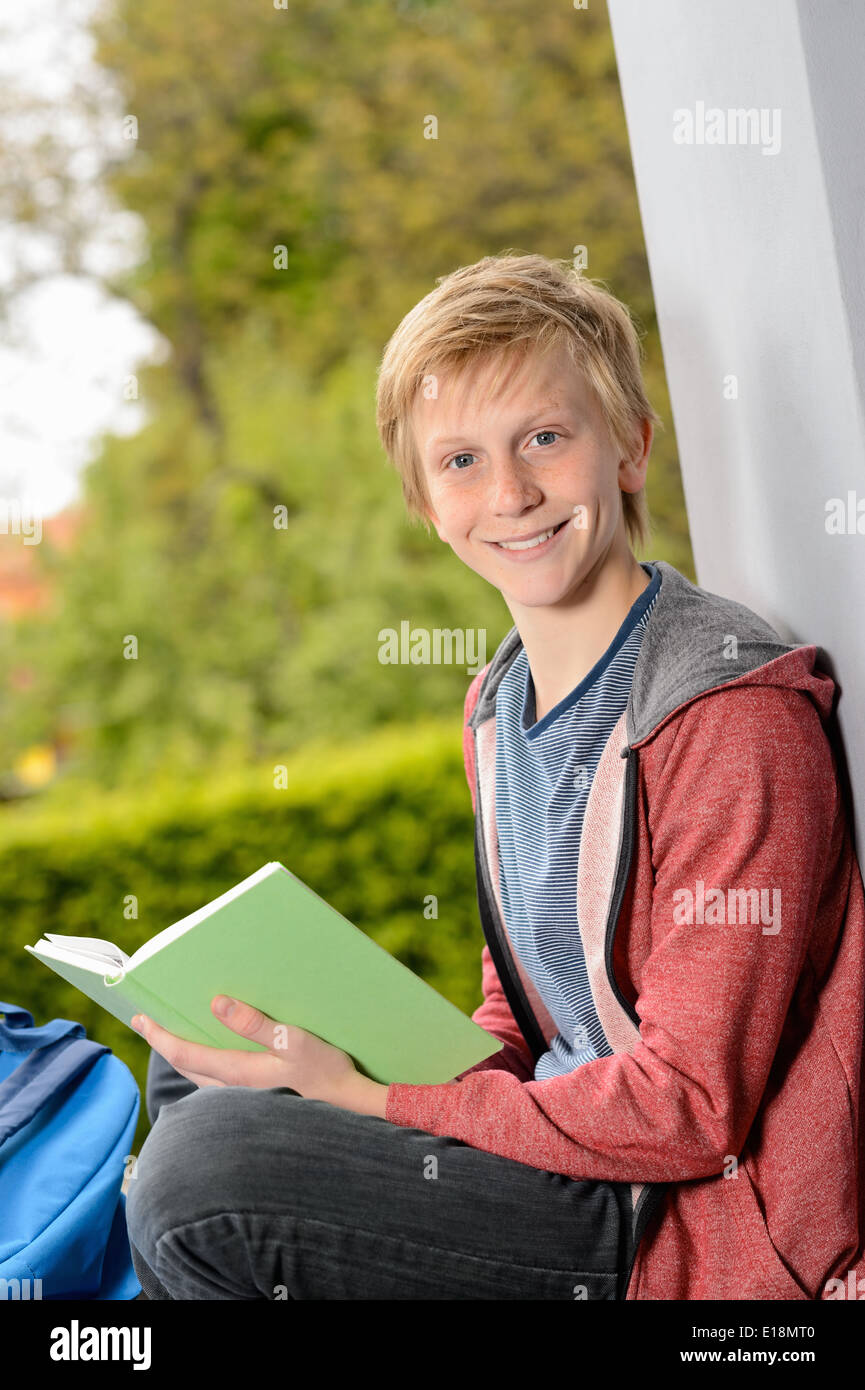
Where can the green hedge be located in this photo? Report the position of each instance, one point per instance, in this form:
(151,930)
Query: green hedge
(374,828)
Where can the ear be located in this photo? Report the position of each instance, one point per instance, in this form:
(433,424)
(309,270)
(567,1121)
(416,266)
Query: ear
(632,468)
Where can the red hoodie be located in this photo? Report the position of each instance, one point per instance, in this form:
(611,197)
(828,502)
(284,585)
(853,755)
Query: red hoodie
(722,916)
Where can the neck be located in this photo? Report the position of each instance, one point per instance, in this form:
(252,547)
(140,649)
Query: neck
(563,642)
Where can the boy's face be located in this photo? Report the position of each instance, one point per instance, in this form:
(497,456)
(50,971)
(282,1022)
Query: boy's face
(538,456)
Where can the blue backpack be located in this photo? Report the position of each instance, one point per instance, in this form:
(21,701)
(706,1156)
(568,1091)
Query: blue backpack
(68,1111)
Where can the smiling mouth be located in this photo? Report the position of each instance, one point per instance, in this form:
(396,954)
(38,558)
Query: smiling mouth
(530,544)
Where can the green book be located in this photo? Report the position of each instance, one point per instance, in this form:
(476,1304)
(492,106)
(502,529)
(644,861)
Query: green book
(272,942)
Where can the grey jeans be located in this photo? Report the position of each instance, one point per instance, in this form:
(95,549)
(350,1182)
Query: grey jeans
(243,1193)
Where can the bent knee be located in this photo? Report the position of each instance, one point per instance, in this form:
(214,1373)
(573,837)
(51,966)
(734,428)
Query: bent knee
(207,1152)
(180,1160)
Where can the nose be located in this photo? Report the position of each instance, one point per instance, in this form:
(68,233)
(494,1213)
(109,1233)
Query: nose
(513,488)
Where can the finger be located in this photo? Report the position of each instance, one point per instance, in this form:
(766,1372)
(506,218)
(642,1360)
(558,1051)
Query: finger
(200,1079)
(234,1069)
(184,1056)
(244,1019)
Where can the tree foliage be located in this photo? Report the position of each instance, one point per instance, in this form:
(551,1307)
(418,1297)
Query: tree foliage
(305,128)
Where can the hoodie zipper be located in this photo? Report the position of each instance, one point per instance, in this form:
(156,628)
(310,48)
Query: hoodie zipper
(497,941)
(494,932)
(653,1192)
(512,985)
(620,881)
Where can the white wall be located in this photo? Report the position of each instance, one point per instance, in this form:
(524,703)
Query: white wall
(758,269)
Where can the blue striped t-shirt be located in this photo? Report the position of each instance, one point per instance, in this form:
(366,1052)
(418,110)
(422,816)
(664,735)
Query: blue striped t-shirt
(544,773)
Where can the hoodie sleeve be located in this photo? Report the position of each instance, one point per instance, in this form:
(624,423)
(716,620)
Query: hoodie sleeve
(744,798)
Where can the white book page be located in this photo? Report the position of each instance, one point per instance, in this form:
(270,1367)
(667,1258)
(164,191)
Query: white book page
(92,946)
(171,933)
(97,965)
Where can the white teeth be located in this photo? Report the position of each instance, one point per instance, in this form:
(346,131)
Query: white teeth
(526,545)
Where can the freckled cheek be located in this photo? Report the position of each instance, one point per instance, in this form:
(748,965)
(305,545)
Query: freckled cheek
(457,519)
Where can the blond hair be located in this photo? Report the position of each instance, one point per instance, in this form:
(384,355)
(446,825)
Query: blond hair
(500,304)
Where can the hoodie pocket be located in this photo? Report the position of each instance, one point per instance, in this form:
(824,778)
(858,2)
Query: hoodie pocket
(770,1272)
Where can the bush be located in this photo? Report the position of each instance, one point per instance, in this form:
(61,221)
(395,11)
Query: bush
(374,828)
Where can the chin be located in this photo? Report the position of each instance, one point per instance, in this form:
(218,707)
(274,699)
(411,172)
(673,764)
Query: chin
(538,599)
(539,595)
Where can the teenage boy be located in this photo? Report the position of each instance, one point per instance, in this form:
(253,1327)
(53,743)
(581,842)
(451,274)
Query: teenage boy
(673,913)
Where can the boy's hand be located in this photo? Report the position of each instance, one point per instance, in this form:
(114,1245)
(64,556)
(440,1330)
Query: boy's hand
(295,1058)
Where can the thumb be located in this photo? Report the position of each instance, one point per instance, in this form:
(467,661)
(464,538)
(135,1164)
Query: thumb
(243,1018)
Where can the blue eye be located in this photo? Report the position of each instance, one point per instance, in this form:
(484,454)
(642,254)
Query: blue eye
(554,435)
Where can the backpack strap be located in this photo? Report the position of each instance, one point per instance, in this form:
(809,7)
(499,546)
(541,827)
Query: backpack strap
(18,1034)
(42,1075)
(16,1017)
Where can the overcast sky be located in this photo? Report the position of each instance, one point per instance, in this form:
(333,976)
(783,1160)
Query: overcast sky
(68,349)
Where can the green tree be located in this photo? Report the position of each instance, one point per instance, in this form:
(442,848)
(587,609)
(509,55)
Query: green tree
(305,129)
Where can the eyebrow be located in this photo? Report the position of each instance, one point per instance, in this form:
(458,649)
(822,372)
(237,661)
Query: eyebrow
(560,407)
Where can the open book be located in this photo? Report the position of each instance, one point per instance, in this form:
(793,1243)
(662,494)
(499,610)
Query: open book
(272,942)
